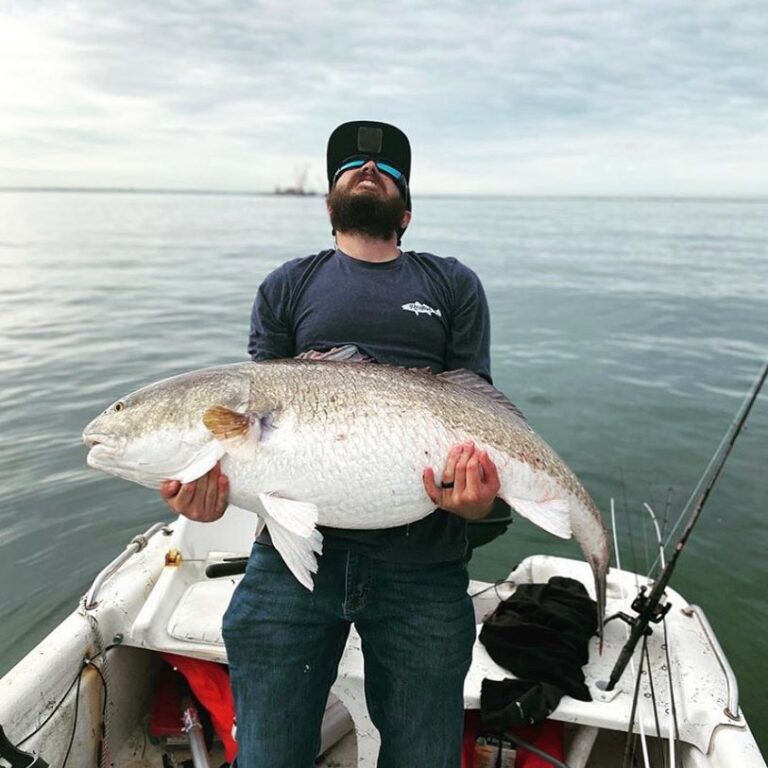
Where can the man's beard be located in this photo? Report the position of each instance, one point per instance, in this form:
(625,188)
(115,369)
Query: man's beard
(365,214)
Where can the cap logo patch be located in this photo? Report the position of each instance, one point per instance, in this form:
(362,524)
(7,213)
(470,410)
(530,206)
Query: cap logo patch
(369,138)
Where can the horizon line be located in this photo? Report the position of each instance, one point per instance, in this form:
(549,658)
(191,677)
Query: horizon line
(277,193)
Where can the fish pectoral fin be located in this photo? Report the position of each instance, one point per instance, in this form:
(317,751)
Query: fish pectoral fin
(225,424)
(202,463)
(292,528)
(260,525)
(553,515)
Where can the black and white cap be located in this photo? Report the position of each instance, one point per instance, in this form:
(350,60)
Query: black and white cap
(378,141)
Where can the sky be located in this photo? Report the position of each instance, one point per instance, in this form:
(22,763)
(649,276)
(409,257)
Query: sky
(528,97)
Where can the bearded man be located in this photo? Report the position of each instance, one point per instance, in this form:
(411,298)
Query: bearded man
(404,588)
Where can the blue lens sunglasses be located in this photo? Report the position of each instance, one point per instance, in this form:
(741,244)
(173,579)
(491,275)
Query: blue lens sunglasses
(390,170)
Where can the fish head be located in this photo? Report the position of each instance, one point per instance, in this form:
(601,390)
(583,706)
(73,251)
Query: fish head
(157,432)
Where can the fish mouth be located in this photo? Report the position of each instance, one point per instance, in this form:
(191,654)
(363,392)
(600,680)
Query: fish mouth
(93,439)
(103,449)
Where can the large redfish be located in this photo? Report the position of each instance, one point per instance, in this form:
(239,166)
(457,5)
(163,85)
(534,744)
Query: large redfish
(307,442)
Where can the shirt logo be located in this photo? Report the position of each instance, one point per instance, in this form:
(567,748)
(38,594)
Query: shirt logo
(421,309)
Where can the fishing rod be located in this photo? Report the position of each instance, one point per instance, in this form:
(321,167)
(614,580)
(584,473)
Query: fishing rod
(648,607)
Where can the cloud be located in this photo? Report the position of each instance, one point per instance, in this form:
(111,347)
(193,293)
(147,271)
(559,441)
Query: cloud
(530,97)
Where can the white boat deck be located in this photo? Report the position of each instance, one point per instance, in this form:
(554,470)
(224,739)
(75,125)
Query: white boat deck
(183,615)
(160,600)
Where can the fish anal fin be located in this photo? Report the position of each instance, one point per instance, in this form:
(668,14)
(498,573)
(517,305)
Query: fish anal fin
(552,515)
(226,424)
(292,528)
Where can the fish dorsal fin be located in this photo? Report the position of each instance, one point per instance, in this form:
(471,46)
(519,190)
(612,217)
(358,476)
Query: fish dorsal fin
(470,380)
(226,424)
(349,353)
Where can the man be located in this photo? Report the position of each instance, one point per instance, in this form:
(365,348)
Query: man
(404,588)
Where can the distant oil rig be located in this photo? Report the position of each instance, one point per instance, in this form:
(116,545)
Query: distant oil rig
(299,189)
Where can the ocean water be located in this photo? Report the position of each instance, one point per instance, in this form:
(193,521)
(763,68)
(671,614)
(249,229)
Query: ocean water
(627,330)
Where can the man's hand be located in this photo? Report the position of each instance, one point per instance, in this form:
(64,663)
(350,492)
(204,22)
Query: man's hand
(203,500)
(469,485)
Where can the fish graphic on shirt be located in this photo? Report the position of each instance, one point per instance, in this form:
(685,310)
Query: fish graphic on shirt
(421,309)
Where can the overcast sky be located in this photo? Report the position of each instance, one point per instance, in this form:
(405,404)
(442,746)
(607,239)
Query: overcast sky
(662,97)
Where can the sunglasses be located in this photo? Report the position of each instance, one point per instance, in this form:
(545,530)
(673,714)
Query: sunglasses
(390,170)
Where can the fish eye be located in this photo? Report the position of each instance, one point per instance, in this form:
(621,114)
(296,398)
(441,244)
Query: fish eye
(119,405)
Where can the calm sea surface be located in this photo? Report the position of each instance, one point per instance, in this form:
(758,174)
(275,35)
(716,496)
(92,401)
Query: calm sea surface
(627,330)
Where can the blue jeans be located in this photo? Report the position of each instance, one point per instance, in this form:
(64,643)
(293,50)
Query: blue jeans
(284,643)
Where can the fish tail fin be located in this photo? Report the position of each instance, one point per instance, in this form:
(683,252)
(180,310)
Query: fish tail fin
(600,572)
(292,528)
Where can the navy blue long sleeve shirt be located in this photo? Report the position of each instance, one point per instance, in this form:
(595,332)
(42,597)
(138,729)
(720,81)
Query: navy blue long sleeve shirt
(418,310)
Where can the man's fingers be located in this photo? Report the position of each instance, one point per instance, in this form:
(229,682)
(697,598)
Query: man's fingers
(460,474)
(210,500)
(223,496)
(203,500)
(490,473)
(474,481)
(471,488)
(449,470)
(169,488)
(428,477)
(186,495)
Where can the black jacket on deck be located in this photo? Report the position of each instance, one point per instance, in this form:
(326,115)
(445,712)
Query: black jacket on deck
(540,634)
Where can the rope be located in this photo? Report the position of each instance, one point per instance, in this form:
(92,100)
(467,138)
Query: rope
(101,651)
(74,718)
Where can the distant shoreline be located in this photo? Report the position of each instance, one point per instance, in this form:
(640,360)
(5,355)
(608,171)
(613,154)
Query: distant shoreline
(138,191)
(426,195)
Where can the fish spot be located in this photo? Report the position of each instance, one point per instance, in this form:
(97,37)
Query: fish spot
(341,436)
